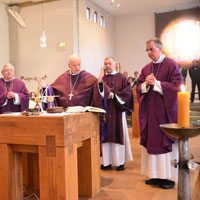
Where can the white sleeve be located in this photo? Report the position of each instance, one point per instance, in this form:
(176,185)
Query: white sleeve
(119,100)
(157,87)
(144,88)
(5,103)
(16,100)
(101,93)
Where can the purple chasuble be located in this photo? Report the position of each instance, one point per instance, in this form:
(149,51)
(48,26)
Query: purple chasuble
(112,131)
(156,109)
(17,87)
(82,86)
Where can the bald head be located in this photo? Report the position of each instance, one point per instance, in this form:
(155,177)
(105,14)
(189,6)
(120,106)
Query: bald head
(74,63)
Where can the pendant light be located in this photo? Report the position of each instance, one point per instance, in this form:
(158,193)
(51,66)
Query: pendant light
(43,39)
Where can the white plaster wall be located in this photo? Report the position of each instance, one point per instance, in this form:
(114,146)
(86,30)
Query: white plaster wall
(60,20)
(96,42)
(4,39)
(131,34)
(35,61)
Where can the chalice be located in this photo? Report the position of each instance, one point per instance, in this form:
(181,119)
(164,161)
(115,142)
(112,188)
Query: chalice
(37,101)
(50,99)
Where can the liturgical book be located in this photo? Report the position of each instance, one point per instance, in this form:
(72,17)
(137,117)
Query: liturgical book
(77,109)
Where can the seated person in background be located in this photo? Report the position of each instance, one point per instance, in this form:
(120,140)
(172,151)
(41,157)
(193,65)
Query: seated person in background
(75,86)
(130,80)
(183,72)
(136,76)
(13,92)
(125,73)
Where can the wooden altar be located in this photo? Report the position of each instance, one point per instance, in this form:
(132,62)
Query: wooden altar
(68,152)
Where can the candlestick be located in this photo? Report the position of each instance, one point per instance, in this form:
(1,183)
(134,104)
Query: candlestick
(183,109)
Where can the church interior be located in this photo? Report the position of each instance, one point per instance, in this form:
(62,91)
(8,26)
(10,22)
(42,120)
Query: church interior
(38,36)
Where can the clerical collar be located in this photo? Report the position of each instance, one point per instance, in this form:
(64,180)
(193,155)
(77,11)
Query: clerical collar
(74,74)
(160,59)
(112,73)
(7,80)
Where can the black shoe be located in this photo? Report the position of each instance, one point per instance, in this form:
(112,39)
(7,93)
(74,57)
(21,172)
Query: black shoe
(120,168)
(108,167)
(167,184)
(153,181)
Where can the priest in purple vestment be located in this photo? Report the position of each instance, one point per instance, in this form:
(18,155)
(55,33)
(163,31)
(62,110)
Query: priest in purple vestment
(74,87)
(157,89)
(114,91)
(13,92)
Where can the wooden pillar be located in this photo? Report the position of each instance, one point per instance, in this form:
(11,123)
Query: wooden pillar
(30,173)
(10,173)
(88,167)
(58,175)
(117,70)
(135,116)
(119,67)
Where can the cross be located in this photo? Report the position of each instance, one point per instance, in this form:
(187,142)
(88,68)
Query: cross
(70,96)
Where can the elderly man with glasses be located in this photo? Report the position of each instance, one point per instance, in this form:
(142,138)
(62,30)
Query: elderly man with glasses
(13,92)
(157,89)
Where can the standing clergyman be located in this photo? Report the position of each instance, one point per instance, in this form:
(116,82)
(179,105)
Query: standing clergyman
(157,89)
(116,95)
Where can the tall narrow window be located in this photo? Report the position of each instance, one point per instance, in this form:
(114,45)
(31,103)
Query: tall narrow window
(102,21)
(88,13)
(95,17)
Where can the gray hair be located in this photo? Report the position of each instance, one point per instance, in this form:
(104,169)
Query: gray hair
(157,42)
(7,64)
(111,58)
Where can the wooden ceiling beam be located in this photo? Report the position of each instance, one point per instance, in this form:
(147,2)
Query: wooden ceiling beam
(31,3)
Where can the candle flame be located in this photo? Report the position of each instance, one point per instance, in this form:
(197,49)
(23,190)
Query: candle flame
(182,88)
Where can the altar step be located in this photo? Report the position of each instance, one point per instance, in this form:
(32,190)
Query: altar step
(195,106)
(195,113)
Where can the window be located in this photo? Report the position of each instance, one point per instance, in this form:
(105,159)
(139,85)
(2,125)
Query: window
(95,17)
(179,31)
(181,40)
(88,13)
(102,22)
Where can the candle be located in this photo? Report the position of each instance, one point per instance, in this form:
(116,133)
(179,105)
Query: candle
(183,108)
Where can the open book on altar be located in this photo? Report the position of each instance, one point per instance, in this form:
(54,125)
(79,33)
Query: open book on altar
(77,109)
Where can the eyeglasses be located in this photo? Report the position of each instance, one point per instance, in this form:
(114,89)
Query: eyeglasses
(151,50)
(8,70)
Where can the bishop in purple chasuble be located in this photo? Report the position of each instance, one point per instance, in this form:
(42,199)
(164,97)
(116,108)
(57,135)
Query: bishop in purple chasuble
(156,109)
(80,86)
